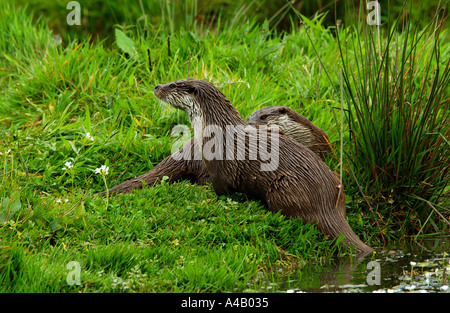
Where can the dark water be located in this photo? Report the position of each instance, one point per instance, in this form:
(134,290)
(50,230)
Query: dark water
(408,266)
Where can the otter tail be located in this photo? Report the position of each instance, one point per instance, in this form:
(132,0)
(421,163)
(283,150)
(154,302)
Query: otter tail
(126,186)
(185,164)
(335,225)
(296,199)
(175,170)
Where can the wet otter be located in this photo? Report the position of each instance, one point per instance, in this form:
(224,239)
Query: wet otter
(185,166)
(295,126)
(300,185)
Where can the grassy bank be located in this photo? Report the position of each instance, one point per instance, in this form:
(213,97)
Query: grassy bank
(167,238)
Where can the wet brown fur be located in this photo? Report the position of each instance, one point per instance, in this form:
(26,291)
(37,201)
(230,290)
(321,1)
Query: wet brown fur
(185,166)
(301,186)
(294,125)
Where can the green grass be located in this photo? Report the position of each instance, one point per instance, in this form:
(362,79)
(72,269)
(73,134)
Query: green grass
(399,99)
(168,238)
(162,239)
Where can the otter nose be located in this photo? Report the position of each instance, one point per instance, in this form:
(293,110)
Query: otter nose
(156,87)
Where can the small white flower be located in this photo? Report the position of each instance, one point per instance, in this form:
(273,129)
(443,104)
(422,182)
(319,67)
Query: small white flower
(89,137)
(68,165)
(104,170)
(412,263)
(58,200)
(66,200)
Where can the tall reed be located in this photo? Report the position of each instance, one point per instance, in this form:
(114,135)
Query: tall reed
(397,89)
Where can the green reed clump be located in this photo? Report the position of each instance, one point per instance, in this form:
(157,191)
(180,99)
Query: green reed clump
(396,83)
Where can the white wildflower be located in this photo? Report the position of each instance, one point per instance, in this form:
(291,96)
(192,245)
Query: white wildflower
(58,200)
(68,165)
(89,137)
(102,170)
(412,263)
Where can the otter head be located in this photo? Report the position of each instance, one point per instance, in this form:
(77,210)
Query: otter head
(274,115)
(200,100)
(294,125)
(180,94)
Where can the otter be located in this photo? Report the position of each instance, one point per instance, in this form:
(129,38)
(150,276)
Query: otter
(294,125)
(300,185)
(187,164)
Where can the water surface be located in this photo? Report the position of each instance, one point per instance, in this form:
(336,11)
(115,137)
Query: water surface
(407,266)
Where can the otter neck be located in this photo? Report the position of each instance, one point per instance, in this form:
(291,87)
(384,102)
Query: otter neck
(211,121)
(217,111)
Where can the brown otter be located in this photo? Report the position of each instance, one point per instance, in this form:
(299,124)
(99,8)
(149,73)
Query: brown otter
(295,126)
(299,185)
(185,166)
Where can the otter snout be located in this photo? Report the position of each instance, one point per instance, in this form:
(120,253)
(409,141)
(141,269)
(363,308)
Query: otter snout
(158,91)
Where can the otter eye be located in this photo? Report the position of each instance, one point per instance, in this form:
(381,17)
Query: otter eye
(171,86)
(263,118)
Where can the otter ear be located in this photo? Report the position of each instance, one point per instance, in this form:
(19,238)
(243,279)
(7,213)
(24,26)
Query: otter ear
(282,110)
(192,89)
